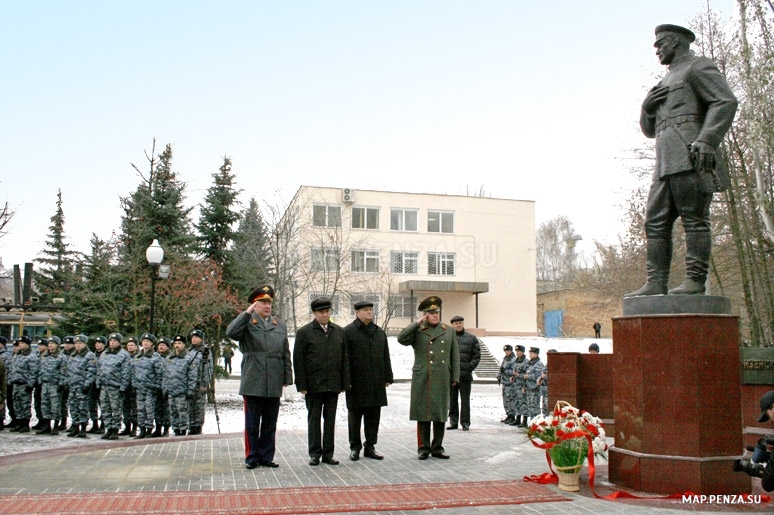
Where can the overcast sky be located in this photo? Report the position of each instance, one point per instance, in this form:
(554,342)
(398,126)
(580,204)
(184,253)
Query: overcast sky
(529,100)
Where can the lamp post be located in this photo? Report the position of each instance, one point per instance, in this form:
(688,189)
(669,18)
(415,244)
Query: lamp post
(155,255)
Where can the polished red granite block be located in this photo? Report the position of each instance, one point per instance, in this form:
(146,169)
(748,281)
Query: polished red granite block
(677,393)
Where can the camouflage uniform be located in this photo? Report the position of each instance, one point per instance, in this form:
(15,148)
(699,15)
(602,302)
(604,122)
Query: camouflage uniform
(146,377)
(197,406)
(5,356)
(81,373)
(53,377)
(113,378)
(534,371)
(24,376)
(162,403)
(179,383)
(544,391)
(95,413)
(509,390)
(130,397)
(521,387)
(66,392)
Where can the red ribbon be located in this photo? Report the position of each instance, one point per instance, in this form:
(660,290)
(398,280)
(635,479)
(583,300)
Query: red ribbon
(547,478)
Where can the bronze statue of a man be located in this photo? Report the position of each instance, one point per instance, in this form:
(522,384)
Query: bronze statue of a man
(688,112)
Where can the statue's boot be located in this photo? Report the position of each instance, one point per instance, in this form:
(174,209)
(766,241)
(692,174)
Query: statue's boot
(659,259)
(698,246)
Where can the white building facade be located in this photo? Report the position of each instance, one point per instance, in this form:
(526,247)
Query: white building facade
(395,249)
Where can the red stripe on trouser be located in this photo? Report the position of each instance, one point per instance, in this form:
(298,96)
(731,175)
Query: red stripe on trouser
(247,440)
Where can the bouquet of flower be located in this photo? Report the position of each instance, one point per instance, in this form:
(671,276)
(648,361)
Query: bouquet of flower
(566,434)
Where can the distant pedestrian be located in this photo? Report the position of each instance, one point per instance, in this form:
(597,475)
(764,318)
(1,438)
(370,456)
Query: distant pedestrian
(370,375)
(436,369)
(322,373)
(228,353)
(470,356)
(266,369)
(597,329)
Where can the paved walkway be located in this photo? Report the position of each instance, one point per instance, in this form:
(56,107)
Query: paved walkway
(212,462)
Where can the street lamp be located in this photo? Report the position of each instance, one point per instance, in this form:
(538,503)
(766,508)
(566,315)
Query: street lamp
(155,255)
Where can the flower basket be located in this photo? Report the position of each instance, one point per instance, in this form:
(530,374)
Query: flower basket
(569,478)
(569,436)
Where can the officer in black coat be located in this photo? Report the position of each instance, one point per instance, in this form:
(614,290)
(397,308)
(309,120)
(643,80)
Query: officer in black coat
(322,373)
(470,356)
(370,375)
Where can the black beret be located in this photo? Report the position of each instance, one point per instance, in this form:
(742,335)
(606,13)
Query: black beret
(432,303)
(321,303)
(148,336)
(520,347)
(263,292)
(197,332)
(457,318)
(179,338)
(165,341)
(363,304)
(536,350)
(676,29)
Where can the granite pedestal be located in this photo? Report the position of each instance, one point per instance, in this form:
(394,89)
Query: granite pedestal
(678,423)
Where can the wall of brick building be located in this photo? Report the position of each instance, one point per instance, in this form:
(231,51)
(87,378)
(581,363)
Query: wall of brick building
(581,309)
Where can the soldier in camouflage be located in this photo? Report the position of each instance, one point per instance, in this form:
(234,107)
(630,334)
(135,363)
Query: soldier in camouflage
(68,342)
(505,378)
(146,378)
(162,404)
(81,374)
(24,375)
(533,373)
(5,357)
(200,353)
(521,387)
(53,377)
(97,424)
(179,383)
(130,396)
(113,378)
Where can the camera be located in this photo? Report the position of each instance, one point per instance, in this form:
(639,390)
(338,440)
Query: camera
(748,467)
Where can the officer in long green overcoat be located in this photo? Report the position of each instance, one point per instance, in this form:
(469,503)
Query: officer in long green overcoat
(436,368)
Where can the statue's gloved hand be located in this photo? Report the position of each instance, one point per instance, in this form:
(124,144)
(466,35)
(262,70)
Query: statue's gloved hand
(702,156)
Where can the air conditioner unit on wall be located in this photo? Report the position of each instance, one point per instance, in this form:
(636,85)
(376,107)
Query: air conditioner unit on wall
(348,196)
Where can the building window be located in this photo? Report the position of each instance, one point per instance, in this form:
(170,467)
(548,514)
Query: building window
(440,221)
(326,216)
(365,217)
(365,261)
(324,259)
(404,262)
(335,304)
(440,263)
(370,297)
(403,220)
(400,306)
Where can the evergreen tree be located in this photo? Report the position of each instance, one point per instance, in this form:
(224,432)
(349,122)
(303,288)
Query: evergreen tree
(217,217)
(251,253)
(55,275)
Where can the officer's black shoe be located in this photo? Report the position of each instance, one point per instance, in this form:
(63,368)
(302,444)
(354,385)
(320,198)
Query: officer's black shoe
(354,455)
(441,456)
(55,428)
(373,455)
(46,430)
(508,419)
(63,425)
(82,432)
(72,431)
(250,466)
(142,434)
(424,455)
(127,430)
(196,430)
(314,461)
(112,434)
(156,433)
(133,426)
(166,430)
(14,425)
(39,425)
(94,427)
(330,461)
(101,428)
(452,427)
(24,426)
(269,464)
(107,434)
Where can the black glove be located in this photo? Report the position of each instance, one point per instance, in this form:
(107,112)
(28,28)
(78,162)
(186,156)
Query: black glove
(189,396)
(29,389)
(205,352)
(86,389)
(59,389)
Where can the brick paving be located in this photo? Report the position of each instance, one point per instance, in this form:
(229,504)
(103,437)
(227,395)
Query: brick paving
(212,462)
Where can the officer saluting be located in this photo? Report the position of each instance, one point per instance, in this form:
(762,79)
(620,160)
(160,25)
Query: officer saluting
(436,368)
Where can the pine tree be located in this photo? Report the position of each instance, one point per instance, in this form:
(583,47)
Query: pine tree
(55,275)
(217,217)
(251,254)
